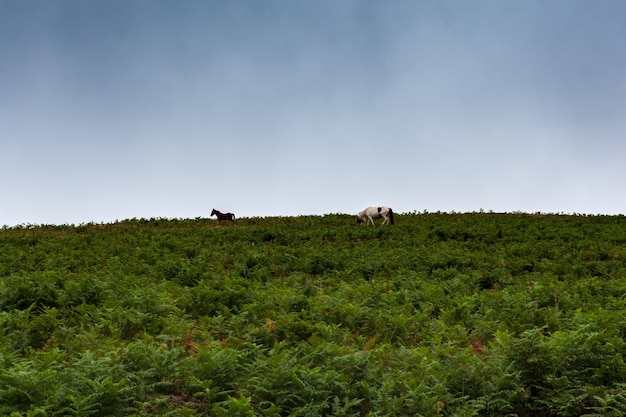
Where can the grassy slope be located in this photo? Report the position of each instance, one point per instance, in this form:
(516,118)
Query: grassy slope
(452,314)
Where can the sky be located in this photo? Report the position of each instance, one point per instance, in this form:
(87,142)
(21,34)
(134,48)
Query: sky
(116,109)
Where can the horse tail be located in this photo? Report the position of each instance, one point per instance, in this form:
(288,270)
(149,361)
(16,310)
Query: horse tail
(391,216)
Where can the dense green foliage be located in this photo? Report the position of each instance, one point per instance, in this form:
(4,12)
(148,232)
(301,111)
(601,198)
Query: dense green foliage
(443,314)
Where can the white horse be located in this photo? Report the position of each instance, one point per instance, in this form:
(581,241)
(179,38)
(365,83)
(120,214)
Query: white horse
(369,214)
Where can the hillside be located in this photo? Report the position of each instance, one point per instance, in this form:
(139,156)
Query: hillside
(442,314)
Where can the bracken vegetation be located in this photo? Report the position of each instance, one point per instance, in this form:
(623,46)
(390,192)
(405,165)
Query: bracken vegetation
(448,314)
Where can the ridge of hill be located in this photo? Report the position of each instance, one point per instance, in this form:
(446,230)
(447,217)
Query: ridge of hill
(444,313)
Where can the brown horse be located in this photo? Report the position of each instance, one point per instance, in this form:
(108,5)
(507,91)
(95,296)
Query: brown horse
(224,216)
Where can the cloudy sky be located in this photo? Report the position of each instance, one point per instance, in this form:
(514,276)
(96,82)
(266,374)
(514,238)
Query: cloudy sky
(114,109)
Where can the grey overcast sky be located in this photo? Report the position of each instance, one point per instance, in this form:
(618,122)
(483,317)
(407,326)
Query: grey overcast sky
(115,109)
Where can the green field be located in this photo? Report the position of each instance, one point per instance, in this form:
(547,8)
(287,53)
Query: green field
(474,314)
